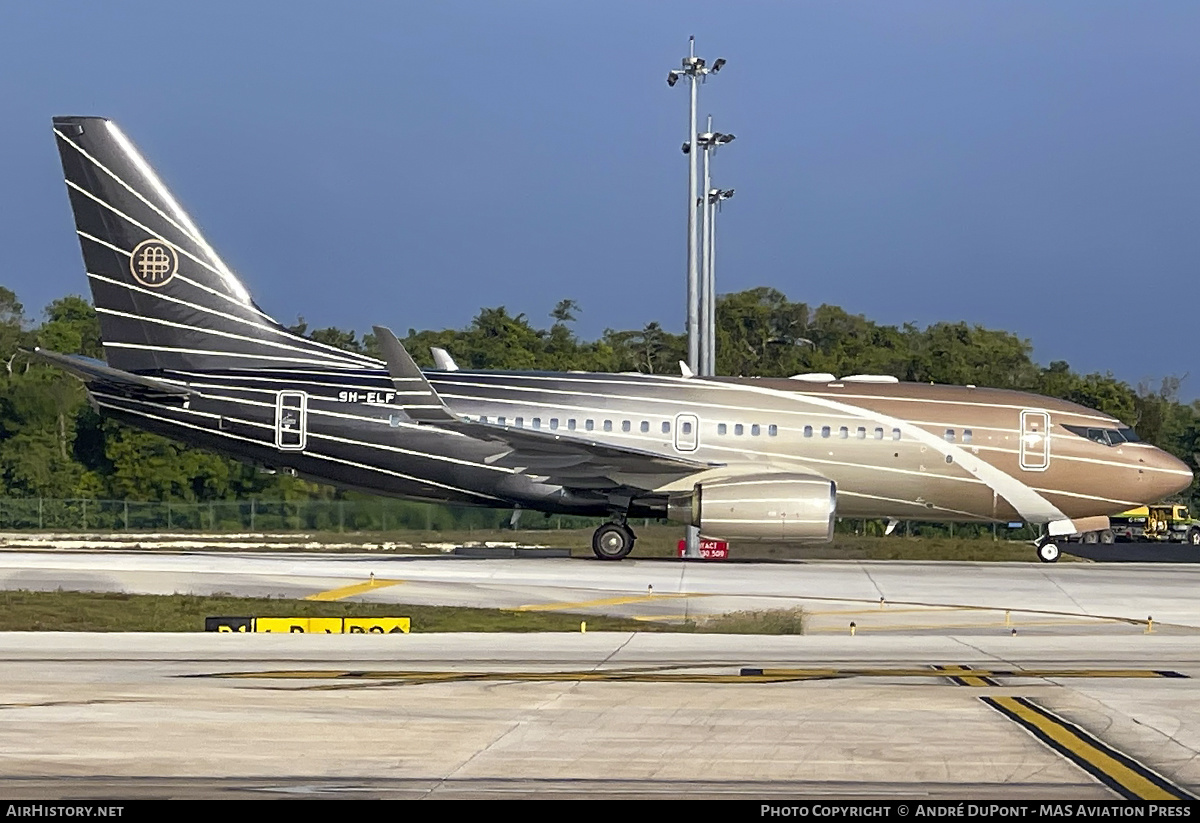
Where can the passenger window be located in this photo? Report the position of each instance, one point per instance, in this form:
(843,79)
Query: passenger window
(608,425)
(537,422)
(755,430)
(739,429)
(571,424)
(895,434)
(553,424)
(949,435)
(843,432)
(721,429)
(808,431)
(666,427)
(824,431)
(626,425)
(589,424)
(687,427)
(878,434)
(862,433)
(519,422)
(500,420)
(645,427)
(772,430)
(967,435)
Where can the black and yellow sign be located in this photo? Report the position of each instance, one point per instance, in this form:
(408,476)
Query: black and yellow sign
(229,624)
(310,625)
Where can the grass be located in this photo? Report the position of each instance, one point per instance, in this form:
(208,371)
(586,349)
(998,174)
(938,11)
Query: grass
(105,612)
(658,540)
(780,621)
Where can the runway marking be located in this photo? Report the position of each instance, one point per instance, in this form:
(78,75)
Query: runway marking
(980,625)
(658,675)
(965,676)
(356,588)
(606,601)
(951,671)
(1122,774)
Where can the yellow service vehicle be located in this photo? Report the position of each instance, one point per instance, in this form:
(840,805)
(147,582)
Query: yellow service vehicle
(1165,522)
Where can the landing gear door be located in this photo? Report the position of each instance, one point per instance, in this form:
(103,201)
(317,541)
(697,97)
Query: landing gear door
(1035,441)
(291,421)
(687,432)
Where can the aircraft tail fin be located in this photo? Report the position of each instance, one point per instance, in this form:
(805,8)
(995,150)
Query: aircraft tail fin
(165,298)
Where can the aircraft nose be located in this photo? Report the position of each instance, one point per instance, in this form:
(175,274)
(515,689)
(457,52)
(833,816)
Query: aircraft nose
(1161,475)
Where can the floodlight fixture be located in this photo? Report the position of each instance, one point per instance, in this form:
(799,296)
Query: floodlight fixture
(718,64)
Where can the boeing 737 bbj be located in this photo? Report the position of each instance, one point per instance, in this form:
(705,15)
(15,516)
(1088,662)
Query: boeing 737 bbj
(191,356)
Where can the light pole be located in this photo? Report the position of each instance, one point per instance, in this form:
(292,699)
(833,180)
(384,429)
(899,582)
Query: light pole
(708,366)
(695,70)
(715,196)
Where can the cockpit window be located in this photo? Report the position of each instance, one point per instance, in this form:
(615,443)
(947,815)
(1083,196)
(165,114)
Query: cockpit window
(1105,437)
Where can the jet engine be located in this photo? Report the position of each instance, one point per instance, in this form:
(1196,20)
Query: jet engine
(774,507)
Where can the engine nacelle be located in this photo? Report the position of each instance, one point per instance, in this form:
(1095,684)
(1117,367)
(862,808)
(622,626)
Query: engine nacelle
(774,507)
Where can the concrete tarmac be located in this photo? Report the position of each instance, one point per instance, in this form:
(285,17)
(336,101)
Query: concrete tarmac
(591,715)
(934,696)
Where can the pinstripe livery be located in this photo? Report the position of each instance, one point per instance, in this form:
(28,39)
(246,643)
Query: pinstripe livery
(189,355)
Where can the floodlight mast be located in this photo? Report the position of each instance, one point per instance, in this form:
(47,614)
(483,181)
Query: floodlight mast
(695,70)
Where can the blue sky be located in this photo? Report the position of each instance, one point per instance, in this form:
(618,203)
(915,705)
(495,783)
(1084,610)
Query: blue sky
(1027,166)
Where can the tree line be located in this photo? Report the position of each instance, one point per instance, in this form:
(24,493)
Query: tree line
(53,444)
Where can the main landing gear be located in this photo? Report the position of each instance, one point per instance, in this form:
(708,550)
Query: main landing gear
(1047,549)
(613,541)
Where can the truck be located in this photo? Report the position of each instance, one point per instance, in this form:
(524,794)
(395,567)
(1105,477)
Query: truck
(1160,523)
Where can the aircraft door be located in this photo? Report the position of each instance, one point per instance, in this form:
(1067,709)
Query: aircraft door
(1035,441)
(291,420)
(687,432)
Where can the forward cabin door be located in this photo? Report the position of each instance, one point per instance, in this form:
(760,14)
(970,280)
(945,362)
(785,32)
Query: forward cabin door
(291,421)
(1035,441)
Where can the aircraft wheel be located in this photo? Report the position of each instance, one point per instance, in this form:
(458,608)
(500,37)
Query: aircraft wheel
(612,541)
(1107,537)
(1048,552)
(1091,537)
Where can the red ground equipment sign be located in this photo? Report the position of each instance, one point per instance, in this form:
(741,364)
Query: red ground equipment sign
(709,549)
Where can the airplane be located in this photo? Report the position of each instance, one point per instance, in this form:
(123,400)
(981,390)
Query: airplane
(190,355)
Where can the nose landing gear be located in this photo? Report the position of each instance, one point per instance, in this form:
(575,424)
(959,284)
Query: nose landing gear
(1047,549)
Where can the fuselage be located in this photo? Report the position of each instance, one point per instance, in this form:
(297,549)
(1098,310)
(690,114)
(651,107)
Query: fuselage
(896,450)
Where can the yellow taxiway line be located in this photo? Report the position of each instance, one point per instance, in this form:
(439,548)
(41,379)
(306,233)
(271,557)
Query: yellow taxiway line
(350,591)
(1124,775)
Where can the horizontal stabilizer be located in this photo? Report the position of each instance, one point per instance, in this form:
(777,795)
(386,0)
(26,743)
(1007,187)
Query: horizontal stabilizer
(99,373)
(418,399)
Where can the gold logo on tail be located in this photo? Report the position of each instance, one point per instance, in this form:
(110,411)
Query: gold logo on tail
(153,263)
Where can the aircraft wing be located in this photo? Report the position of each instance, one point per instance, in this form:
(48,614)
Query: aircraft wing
(561,458)
(98,373)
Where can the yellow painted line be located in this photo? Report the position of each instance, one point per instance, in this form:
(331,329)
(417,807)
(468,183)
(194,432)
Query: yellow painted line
(1121,773)
(960,672)
(605,601)
(350,591)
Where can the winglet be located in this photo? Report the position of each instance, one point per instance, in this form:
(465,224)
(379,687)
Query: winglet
(420,400)
(442,358)
(685,370)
